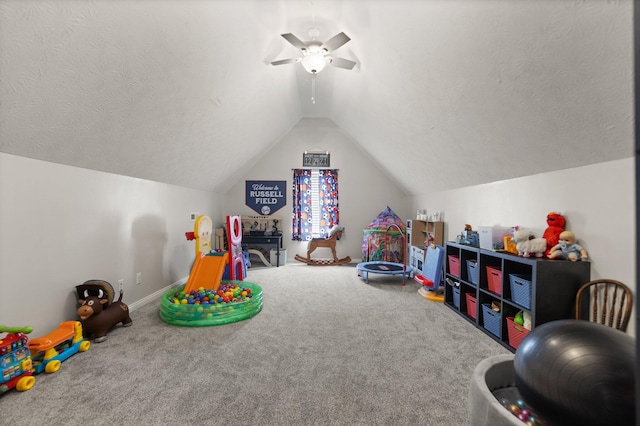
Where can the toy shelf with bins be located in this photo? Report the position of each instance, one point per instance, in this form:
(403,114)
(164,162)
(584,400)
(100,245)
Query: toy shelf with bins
(419,232)
(550,288)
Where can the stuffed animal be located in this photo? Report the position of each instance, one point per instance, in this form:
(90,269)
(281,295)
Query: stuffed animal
(568,249)
(527,244)
(555,225)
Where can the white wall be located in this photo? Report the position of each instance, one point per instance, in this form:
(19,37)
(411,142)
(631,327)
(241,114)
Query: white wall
(598,202)
(61,225)
(365,190)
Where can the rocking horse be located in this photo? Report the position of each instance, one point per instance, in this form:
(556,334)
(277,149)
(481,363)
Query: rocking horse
(330,241)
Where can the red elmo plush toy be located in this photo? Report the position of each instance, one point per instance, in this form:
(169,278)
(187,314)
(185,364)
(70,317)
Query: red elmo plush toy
(556,223)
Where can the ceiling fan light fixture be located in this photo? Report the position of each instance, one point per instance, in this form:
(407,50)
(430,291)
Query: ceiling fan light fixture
(316,54)
(314,62)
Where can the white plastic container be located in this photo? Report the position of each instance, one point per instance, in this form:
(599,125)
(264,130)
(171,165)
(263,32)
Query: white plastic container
(492,237)
(273,257)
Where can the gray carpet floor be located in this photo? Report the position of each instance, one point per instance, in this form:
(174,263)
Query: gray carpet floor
(327,349)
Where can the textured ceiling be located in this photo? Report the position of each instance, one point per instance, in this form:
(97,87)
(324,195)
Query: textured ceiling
(462,92)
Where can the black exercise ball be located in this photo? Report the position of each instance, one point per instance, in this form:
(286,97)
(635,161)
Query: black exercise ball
(573,372)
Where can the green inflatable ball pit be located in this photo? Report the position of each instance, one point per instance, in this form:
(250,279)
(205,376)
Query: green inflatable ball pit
(214,314)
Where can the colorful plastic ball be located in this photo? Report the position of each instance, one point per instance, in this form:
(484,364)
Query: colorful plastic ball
(514,409)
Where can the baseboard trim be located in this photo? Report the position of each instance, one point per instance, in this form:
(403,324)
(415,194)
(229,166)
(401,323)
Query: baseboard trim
(155,295)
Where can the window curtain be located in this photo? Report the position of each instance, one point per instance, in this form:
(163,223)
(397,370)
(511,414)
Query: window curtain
(303,220)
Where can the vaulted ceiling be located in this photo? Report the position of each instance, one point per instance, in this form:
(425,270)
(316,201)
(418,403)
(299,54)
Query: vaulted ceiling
(182,91)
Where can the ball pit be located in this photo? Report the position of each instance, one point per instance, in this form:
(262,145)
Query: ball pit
(233,301)
(493,397)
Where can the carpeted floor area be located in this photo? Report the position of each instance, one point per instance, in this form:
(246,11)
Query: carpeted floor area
(327,349)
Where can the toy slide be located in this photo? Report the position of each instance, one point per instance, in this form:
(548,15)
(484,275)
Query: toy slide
(207,271)
(432,274)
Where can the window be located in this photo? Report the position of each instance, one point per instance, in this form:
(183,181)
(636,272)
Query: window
(315,203)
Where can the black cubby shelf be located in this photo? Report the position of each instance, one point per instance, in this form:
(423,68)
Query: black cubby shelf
(544,288)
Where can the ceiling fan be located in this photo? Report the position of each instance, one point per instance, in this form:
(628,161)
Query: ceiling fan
(315,54)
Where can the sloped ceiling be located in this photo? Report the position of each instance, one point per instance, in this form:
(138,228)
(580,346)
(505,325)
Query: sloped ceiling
(182,92)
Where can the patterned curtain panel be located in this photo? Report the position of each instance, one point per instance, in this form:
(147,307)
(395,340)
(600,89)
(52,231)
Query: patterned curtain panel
(328,197)
(301,201)
(309,218)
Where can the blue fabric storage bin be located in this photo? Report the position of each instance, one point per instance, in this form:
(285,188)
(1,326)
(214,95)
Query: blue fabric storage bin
(491,319)
(473,272)
(456,297)
(521,289)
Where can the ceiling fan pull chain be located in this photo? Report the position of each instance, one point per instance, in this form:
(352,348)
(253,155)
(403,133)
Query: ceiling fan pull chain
(313,88)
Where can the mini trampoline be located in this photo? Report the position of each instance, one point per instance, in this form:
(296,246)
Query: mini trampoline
(383,267)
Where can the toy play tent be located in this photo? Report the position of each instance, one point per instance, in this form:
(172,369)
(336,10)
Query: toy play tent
(382,240)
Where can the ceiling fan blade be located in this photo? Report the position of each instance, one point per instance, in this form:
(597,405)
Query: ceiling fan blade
(335,42)
(286,61)
(342,63)
(295,41)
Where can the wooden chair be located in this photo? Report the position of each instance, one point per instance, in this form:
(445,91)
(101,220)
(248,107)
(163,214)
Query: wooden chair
(606,302)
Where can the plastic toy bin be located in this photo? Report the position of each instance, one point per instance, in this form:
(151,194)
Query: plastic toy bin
(494,280)
(471,305)
(454,265)
(491,319)
(521,289)
(516,333)
(456,297)
(473,272)
(273,257)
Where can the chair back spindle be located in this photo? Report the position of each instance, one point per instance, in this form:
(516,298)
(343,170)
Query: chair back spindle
(609,301)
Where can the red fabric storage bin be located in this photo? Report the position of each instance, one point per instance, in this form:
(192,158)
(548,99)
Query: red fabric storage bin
(454,265)
(516,333)
(471,306)
(494,280)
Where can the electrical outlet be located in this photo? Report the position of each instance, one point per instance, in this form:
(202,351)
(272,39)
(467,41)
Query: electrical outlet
(139,278)
(194,216)
(120,284)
